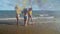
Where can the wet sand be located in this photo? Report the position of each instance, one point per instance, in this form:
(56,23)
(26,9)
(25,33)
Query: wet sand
(10,27)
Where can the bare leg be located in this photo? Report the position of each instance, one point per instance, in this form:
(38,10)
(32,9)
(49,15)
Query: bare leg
(25,22)
(31,18)
(17,18)
(28,21)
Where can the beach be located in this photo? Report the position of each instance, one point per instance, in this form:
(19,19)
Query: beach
(41,26)
(45,15)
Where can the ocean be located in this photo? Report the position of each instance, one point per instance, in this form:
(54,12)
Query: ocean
(36,13)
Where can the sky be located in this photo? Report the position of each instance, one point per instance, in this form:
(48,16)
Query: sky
(36,4)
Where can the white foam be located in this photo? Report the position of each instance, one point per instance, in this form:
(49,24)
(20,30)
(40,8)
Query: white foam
(12,18)
(23,18)
(46,17)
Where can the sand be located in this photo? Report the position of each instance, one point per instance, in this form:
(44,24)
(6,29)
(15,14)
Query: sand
(39,27)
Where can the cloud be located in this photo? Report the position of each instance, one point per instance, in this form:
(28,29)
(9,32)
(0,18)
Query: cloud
(51,5)
(9,4)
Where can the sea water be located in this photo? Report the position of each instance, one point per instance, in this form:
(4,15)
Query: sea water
(36,13)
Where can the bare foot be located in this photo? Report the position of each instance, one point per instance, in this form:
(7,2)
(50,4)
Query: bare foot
(25,25)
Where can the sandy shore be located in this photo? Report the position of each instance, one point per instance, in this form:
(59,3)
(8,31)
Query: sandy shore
(41,26)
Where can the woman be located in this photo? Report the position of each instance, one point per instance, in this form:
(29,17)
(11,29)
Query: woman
(30,15)
(18,12)
(25,16)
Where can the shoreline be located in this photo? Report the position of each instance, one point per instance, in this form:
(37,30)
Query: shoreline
(23,18)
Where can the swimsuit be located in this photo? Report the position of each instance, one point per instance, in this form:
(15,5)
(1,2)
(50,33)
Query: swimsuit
(30,13)
(25,13)
(25,17)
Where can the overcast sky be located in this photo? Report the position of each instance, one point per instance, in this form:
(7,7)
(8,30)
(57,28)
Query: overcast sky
(41,5)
